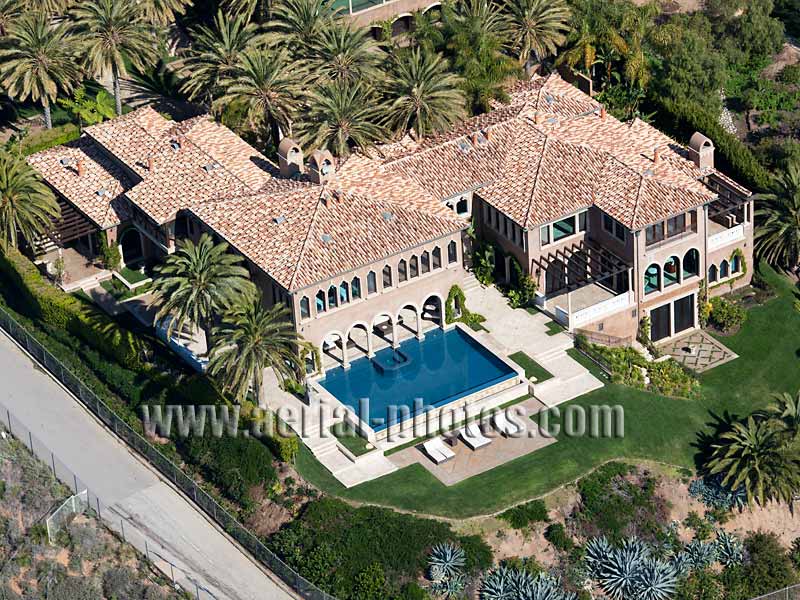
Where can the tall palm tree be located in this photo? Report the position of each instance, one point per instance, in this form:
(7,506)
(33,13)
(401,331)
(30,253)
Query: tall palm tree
(751,455)
(163,13)
(642,32)
(214,54)
(48,7)
(346,52)
(110,32)
(199,282)
(295,22)
(27,205)
(341,116)
(38,61)
(536,27)
(423,94)
(778,239)
(270,85)
(250,339)
(785,411)
(10,10)
(586,40)
(251,10)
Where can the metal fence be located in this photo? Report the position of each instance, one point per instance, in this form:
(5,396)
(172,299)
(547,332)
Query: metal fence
(789,593)
(225,520)
(74,505)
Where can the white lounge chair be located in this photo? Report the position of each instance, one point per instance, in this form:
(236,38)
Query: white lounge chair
(473,437)
(506,427)
(437,450)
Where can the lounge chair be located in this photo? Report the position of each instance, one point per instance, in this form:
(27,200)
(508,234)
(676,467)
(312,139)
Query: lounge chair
(473,437)
(437,451)
(506,427)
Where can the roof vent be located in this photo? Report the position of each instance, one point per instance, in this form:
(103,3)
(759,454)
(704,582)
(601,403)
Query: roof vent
(326,238)
(103,192)
(279,220)
(464,146)
(175,144)
(552,120)
(211,167)
(648,173)
(387,216)
(65,162)
(481,139)
(549,99)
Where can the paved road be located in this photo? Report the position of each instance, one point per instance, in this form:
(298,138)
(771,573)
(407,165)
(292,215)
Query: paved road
(127,487)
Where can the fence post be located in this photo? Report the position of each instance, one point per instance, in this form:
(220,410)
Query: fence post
(98,507)
(30,441)
(122,525)
(8,415)
(53,462)
(146,550)
(75,481)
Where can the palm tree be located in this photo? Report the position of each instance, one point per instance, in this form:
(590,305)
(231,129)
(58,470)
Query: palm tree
(48,7)
(341,116)
(38,60)
(270,85)
(536,27)
(112,31)
(785,412)
(162,13)
(295,22)
(198,282)
(251,10)
(10,10)
(426,32)
(250,339)
(750,454)
(778,238)
(587,40)
(214,54)
(423,94)
(345,52)
(642,31)
(27,205)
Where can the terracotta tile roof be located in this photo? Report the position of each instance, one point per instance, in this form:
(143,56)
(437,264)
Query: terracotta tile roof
(99,173)
(301,233)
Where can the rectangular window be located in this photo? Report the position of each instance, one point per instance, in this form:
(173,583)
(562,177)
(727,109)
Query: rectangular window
(372,283)
(452,253)
(563,228)
(676,225)
(305,309)
(426,262)
(582,221)
(619,231)
(654,233)
(545,233)
(608,223)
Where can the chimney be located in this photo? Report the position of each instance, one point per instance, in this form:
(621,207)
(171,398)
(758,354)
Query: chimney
(321,167)
(489,133)
(150,163)
(290,158)
(603,112)
(473,137)
(656,156)
(701,151)
(81,167)
(538,118)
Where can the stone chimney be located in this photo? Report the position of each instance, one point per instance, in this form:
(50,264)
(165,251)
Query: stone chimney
(701,151)
(81,167)
(151,163)
(489,133)
(656,156)
(473,137)
(603,112)
(290,157)
(538,118)
(321,167)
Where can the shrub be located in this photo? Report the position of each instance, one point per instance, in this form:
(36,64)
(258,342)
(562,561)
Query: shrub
(725,315)
(109,253)
(284,447)
(370,584)
(714,495)
(768,567)
(412,591)
(702,528)
(670,378)
(794,553)
(791,74)
(624,364)
(556,534)
(523,515)
(48,138)
(700,585)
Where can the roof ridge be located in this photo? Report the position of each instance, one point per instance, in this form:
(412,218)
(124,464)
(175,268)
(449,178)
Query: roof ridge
(536,180)
(307,241)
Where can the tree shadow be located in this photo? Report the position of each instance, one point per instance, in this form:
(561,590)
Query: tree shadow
(703,445)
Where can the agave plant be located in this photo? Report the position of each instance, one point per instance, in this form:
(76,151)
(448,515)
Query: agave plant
(513,584)
(499,584)
(701,554)
(597,552)
(621,568)
(682,564)
(656,580)
(450,588)
(729,549)
(446,561)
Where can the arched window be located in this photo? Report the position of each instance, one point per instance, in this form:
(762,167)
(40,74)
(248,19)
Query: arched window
(333,297)
(305,308)
(387,276)
(320,299)
(355,288)
(402,270)
(437,258)
(452,252)
(736,263)
(344,293)
(724,269)
(671,271)
(652,279)
(372,283)
(413,267)
(712,273)
(691,263)
(425,259)
(462,206)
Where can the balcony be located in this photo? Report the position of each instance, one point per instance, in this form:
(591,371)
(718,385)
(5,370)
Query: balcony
(589,304)
(721,235)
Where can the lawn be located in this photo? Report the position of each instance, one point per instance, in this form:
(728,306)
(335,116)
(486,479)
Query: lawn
(351,440)
(656,428)
(532,368)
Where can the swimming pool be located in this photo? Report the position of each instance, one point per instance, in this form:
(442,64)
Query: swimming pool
(418,376)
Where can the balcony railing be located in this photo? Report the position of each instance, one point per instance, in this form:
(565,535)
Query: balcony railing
(726,237)
(590,314)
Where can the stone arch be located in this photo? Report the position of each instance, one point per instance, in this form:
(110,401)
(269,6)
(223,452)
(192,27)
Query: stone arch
(652,278)
(724,269)
(334,345)
(402,24)
(690,265)
(713,274)
(672,271)
(415,326)
(365,345)
(433,309)
(132,245)
(383,325)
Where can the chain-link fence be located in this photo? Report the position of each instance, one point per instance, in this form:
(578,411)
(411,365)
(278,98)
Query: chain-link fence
(789,593)
(225,520)
(60,517)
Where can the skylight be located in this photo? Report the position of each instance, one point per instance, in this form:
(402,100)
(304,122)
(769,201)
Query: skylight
(326,238)
(211,167)
(102,192)
(387,216)
(279,220)
(464,146)
(176,145)
(481,139)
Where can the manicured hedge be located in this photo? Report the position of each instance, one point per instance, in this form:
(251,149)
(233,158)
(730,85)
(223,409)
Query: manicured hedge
(682,118)
(49,138)
(41,300)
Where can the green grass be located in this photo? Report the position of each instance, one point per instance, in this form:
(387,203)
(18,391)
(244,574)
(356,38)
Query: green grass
(553,328)
(131,276)
(656,428)
(532,368)
(348,438)
(588,364)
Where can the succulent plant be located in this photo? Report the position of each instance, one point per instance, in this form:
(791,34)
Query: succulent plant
(656,580)
(597,551)
(513,584)
(445,561)
(451,588)
(620,570)
(682,564)
(729,549)
(701,554)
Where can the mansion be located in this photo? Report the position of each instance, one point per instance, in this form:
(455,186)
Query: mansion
(614,221)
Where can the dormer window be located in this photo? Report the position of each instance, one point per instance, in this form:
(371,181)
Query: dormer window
(211,167)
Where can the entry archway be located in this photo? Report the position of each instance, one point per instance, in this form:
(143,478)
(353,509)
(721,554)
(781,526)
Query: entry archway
(132,246)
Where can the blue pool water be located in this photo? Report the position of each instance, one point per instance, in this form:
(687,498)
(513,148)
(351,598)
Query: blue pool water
(444,367)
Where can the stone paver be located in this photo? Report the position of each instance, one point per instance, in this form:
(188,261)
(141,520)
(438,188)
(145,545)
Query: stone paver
(698,351)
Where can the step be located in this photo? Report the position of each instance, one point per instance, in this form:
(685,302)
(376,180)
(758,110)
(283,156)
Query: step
(557,346)
(557,391)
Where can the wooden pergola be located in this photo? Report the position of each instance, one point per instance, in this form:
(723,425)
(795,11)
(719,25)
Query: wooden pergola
(582,264)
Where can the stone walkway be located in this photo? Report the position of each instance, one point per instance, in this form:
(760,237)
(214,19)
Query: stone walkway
(698,351)
(519,330)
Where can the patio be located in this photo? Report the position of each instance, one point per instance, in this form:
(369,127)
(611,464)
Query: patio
(698,351)
(467,462)
(79,270)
